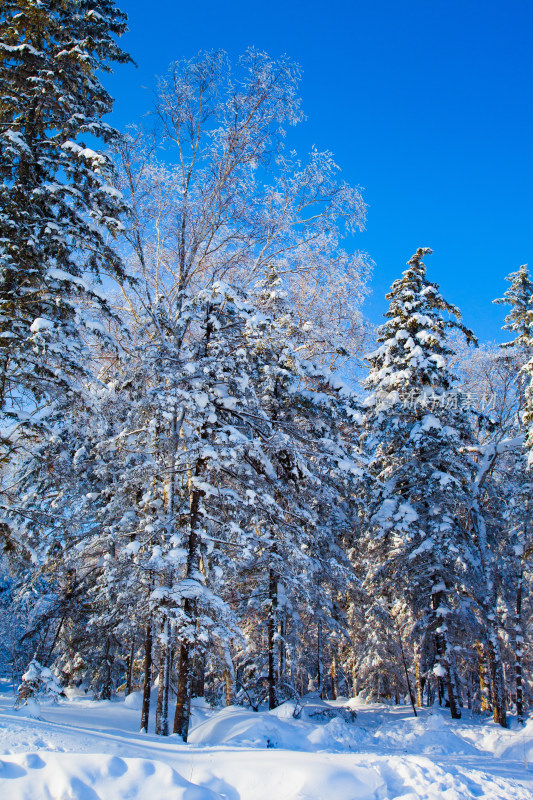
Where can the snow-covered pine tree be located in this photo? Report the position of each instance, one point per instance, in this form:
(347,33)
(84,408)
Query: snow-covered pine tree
(519,295)
(58,205)
(519,322)
(415,428)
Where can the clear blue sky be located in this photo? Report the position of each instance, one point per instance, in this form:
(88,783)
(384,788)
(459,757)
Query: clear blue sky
(426,104)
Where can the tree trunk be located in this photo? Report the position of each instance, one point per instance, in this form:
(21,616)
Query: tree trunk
(159,704)
(183,697)
(320,665)
(420,681)
(187,648)
(496,676)
(443,652)
(282,647)
(408,680)
(334,688)
(271,633)
(130,661)
(147,685)
(198,681)
(519,638)
(107,686)
(228,687)
(483,688)
(161,720)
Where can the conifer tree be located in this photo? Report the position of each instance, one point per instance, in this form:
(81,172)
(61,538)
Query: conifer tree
(414,431)
(58,205)
(519,296)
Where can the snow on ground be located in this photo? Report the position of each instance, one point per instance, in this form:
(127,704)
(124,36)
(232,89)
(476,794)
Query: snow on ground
(86,750)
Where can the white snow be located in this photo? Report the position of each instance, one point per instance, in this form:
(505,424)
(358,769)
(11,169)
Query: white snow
(91,750)
(41,324)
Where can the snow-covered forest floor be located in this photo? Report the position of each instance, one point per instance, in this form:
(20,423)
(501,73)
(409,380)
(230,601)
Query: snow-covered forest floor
(86,750)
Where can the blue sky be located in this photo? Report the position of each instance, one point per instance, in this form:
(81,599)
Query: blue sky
(426,105)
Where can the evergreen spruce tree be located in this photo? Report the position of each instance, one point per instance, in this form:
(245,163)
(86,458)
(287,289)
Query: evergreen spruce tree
(58,205)
(519,296)
(416,426)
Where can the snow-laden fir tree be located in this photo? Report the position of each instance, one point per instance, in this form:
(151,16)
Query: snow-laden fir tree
(415,428)
(58,206)
(519,320)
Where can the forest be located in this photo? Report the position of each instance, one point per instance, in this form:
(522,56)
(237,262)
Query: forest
(216,475)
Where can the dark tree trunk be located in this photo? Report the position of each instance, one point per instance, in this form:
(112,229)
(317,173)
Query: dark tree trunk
(320,665)
(107,686)
(282,630)
(147,684)
(159,704)
(496,676)
(187,648)
(409,688)
(183,697)
(198,683)
(271,633)
(161,719)
(443,654)
(129,663)
(519,638)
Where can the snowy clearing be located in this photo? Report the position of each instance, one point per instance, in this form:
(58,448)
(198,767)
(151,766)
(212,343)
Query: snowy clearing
(86,750)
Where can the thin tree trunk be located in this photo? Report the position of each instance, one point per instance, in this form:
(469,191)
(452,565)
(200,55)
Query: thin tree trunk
(107,687)
(320,671)
(293,662)
(147,685)
(282,647)
(129,662)
(469,690)
(354,680)
(409,688)
(159,704)
(271,634)
(161,720)
(519,638)
(420,681)
(482,672)
(334,688)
